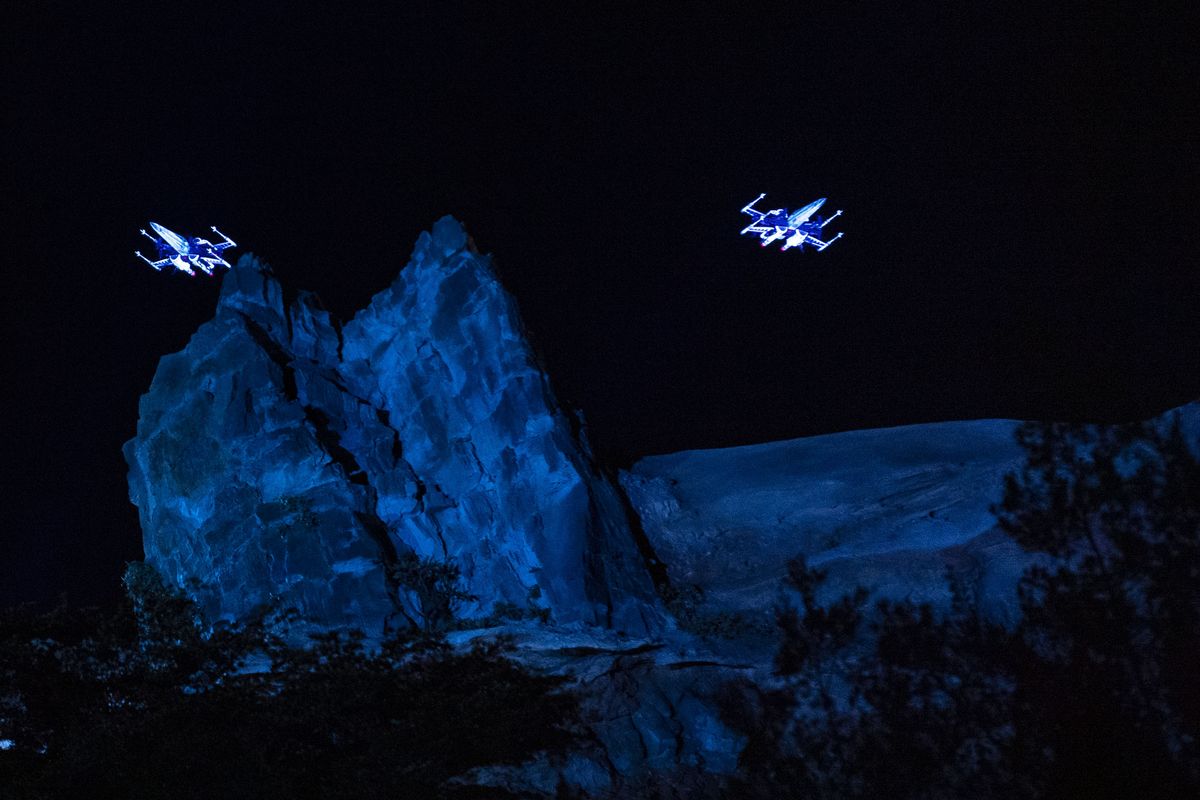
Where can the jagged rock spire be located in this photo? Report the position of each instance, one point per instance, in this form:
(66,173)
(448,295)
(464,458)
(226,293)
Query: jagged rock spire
(281,457)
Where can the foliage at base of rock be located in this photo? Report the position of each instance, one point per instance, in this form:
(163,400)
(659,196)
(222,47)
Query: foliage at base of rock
(1092,694)
(148,702)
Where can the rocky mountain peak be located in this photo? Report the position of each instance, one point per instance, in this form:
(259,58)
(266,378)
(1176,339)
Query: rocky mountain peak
(283,457)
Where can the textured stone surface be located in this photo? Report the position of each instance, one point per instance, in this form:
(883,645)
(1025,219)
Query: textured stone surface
(896,510)
(892,509)
(283,457)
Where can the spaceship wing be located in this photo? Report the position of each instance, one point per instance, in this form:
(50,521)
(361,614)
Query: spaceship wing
(219,246)
(820,245)
(158,265)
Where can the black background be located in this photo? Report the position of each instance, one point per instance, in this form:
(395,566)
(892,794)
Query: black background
(1019,194)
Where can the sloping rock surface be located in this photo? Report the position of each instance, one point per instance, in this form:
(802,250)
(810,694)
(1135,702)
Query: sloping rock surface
(283,457)
(896,510)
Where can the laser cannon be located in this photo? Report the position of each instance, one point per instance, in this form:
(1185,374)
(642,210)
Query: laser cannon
(186,253)
(795,228)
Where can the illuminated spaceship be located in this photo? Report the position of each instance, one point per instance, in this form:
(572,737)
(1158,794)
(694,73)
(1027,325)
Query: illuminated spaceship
(186,252)
(797,228)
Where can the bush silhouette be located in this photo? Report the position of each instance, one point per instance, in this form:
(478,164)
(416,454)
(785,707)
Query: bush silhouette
(148,702)
(1093,694)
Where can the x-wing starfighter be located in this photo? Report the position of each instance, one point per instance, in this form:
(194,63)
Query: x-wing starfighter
(796,229)
(185,252)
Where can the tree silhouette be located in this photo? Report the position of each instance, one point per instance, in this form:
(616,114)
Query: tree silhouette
(1113,622)
(149,702)
(1093,694)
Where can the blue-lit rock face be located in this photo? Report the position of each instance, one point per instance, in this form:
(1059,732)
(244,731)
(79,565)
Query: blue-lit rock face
(895,510)
(283,457)
(899,511)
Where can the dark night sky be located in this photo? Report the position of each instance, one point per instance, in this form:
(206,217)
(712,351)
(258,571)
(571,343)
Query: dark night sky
(1020,196)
